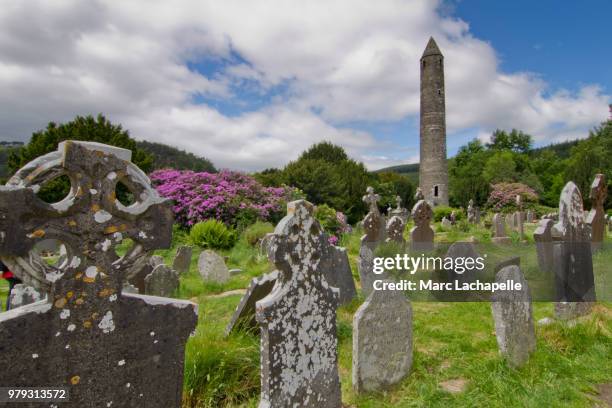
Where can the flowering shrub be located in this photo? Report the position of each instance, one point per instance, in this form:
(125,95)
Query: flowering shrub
(503,196)
(227,196)
(332,221)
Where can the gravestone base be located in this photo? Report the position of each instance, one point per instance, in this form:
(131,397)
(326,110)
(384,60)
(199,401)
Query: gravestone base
(572,310)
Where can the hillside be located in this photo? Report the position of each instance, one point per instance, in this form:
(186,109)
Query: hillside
(170,157)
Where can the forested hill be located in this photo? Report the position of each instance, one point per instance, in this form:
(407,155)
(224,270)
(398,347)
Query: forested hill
(170,157)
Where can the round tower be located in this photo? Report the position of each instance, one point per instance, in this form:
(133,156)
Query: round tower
(433,170)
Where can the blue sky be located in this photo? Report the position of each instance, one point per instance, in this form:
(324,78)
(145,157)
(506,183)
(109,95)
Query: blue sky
(251,84)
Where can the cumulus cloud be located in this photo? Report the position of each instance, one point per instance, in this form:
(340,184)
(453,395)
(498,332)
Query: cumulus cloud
(339,63)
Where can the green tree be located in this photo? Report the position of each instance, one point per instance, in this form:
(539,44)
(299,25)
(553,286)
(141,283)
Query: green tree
(500,167)
(389,185)
(465,175)
(516,141)
(325,151)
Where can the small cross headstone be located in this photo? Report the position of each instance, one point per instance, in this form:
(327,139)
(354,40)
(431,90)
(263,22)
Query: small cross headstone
(22,295)
(163,281)
(299,348)
(108,347)
(382,341)
(421,235)
(395,230)
(400,211)
(182,259)
(513,316)
(371,199)
(244,315)
(212,267)
(596,217)
(544,244)
(572,257)
(499,230)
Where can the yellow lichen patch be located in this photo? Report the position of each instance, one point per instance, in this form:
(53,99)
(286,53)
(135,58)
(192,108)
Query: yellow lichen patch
(60,303)
(89,280)
(79,301)
(75,380)
(72,223)
(112,196)
(78,275)
(94,316)
(105,292)
(87,324)
(39,233)
(69,294)
(95,208)
(122,227)
(111,229)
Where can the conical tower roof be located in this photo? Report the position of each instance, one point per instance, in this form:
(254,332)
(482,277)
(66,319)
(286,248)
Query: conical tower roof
(431,49)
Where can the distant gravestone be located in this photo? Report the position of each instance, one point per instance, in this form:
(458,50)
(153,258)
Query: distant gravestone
(212,267)
(182,259)
(340,275)
(499,230)
(108,348)
(596,217)
(22,295)
(471,212)
(373,224)
(400,211)
(418,195)
(513,316)
(462,250)
(446,223)
(382,341)
(544,244)
(163,281)
(421,235)
(453,217)
(572,257)
(299,348)
(244,315)
(510,221)
(395,230)
(520,217)
(156,260)
(530,216)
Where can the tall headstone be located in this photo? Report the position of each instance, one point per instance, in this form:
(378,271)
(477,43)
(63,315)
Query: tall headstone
(163,281)
(395,230)
(212,267)
(499,230)
(596,217)
(519,216)
(530,216)
(107,347)
(299,348)
(373,225)
(471,212)
(513,316)
(544,244)
(421,235)
(382,341)
(572,257)
(182,259)
(453,217)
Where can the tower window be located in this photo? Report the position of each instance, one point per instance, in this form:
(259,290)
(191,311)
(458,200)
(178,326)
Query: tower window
(423,64)
(435,191)
(439,92)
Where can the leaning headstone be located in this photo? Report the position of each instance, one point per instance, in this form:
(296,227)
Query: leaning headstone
(382,341)
(339,275)
(299,348)
(182,259)
(163,281)
(106,347)
(572,257)
(499,230)
(22,295)
(596,217)
(244,315)
(212,267)
(395,230)
(544,244)
(421,235)
(156,260)
(513,316)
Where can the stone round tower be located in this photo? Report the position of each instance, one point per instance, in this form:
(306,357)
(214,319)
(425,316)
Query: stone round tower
(433,170)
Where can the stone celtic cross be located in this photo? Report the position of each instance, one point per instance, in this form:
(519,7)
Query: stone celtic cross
(371,200)
(109,348)
(299,348)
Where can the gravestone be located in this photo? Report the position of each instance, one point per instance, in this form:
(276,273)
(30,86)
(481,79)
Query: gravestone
(339,275)
(453,217)
(22,295)
(156,260)
(212,267)
(400,211)
(544,244)
(421,235)
(530,216)
(373,224)
(107,347)
(520,217)
(515,260)
(163,281)
(382,341)
(463,250)
(499,230)
(510,221)
(471,212)
(138,271)
(371,199)
(596,217)
(418,195)
(244,315)
(395,230)
(446,223)
(182,259)
(572,257)
(299,348)
(513,317)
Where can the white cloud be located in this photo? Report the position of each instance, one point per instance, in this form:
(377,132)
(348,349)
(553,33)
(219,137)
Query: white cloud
(347,60)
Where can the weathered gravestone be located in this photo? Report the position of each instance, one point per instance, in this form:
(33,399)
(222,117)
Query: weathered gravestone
(453,217)
(499,230)
(339,275)
(163,281)
(471,212)
(212,267)
(515,260)
(513,317)
(244,315)
(382,341)
(138,271)
(400,211)
(182,259)
(572,257)
(418,195)
(107,347)
(519,217)
(530,216)
(596,218)
(446,223)
(22,295)
(299,348)
(544,244)
(421,235)
(156,260)
(395,230)
(373,224)
(464,270)
(510,221)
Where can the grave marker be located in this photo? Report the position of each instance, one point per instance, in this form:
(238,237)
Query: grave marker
(421,235)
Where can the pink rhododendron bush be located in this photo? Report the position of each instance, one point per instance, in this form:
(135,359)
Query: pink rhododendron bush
(503,196)
(234,198)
